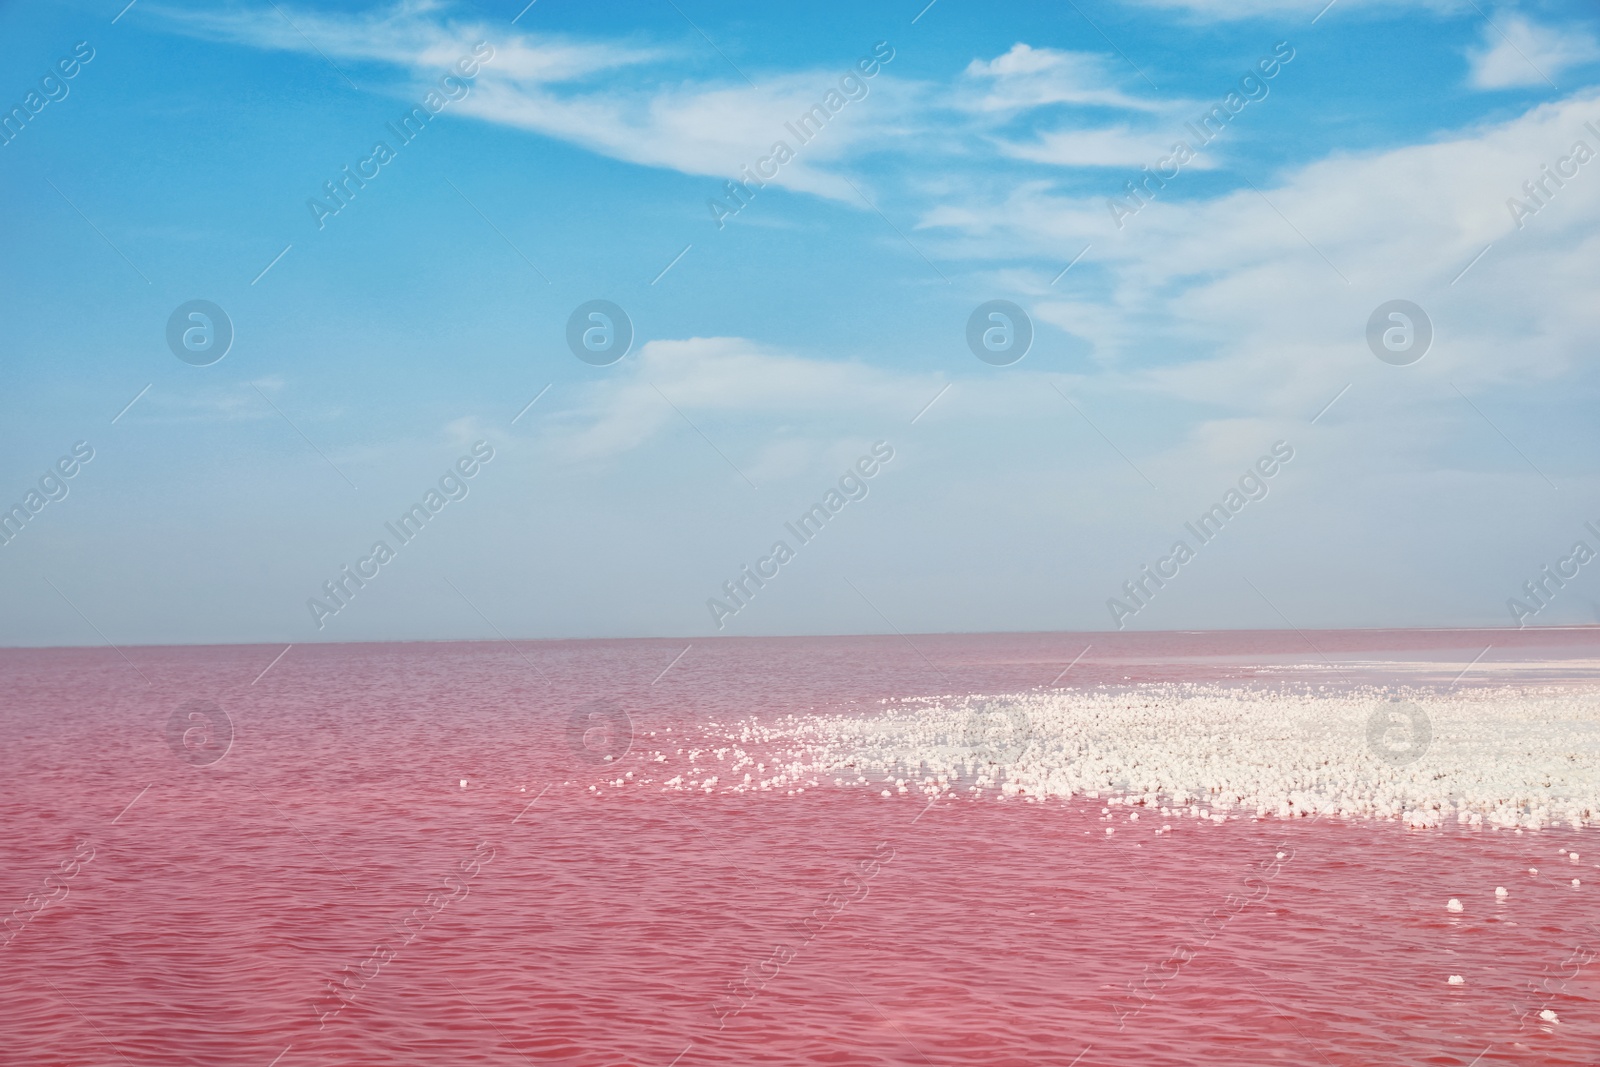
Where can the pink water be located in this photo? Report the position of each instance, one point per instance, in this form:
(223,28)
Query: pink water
(198,911)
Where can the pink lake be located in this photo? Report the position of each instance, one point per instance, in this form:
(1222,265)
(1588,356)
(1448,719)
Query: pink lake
(298,875)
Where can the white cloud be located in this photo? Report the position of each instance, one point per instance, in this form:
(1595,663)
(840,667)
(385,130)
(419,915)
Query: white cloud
(696,129)
(730,377)
(1224,302)
(597,95)
(410,35)
(1027,77)
(1518,52)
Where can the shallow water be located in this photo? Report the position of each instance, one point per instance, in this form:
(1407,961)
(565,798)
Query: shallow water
(539,915)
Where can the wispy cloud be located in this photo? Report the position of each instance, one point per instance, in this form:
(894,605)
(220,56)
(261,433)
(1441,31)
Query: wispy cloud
(1228,299)
(1026,77)
(571,89)
(1519,52)
(416,35)
(730,378)
(709,130)
(575,91)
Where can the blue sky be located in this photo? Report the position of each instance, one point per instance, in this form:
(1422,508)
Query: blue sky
(771,352)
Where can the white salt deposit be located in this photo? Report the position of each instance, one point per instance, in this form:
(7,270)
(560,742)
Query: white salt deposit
(1510,757)
(1456,979)
(1454,905)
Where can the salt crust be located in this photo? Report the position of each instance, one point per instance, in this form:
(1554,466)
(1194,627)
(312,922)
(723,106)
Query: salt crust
(1511,757)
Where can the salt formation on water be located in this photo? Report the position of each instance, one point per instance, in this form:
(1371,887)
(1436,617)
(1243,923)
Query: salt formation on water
(1500,757)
